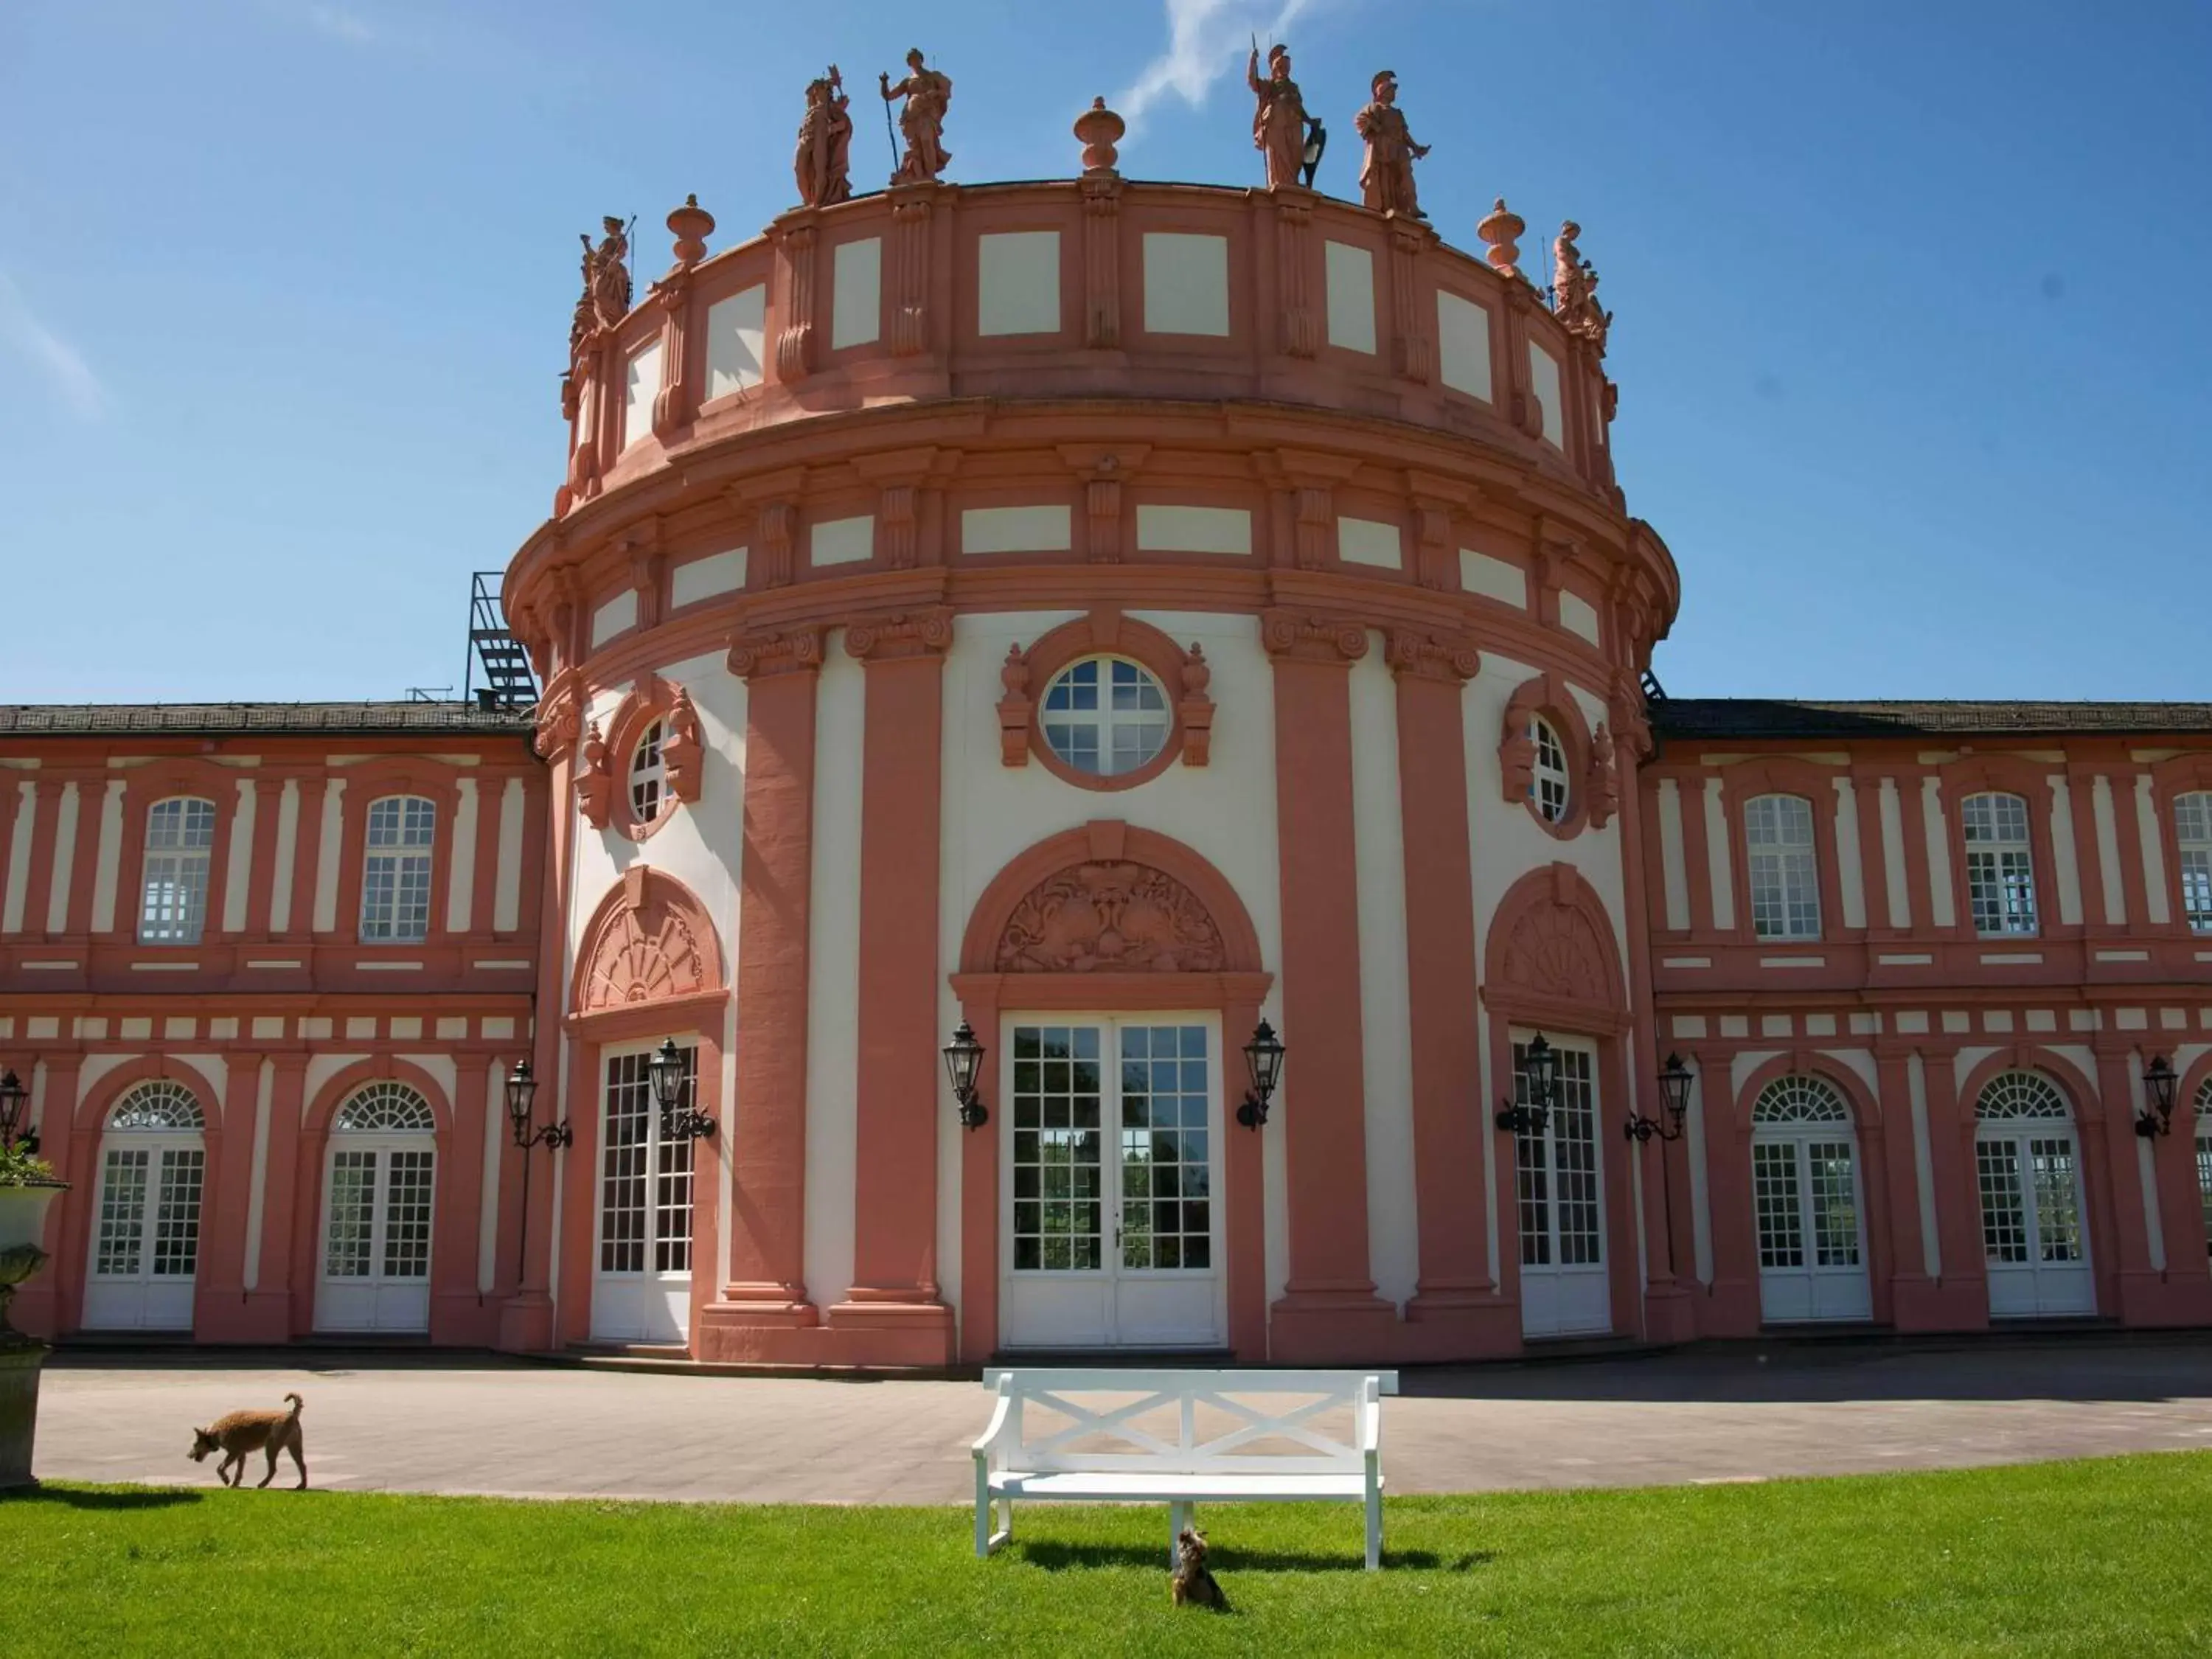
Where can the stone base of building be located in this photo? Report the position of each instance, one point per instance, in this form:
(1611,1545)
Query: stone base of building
(894,1335)
(2165,1299)
(526,1323)
(1348,1326)
(1670,1315)
(1958,1302)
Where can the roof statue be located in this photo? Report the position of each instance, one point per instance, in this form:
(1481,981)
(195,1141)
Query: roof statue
(606,278)
(1279,118)
(1574,291)
(823,161)
(1385,178)
(927,93)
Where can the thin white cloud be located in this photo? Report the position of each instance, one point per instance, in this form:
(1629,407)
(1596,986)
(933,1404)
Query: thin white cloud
(340,24)
(23,335)
(1207,41)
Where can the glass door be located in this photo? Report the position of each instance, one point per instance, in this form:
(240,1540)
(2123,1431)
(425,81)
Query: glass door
(642,1283)
(1112,1223)
(2031,1234)
(1559,1183)
(145,1250)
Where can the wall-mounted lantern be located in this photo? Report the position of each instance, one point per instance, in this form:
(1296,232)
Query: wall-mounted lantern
(2156,1117)
(1674,1079)
(521,1090)
(679,1119)
(1263,1057)
(964,1063)
(14,1103)
(1539,1069)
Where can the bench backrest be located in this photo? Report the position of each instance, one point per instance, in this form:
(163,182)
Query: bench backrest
(1113,1420)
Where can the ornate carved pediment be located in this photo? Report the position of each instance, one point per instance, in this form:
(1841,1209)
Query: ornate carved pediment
(1554,950)
(648,946)
(1115,917)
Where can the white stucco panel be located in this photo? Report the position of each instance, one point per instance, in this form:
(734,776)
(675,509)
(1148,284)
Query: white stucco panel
(856,287)
(701,578)
(1463,345)
(1186,283)
(1350,274)
(737,342)
(1017,282)
(1046,527)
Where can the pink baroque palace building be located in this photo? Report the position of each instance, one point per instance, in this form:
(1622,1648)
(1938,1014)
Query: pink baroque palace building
(1127,625)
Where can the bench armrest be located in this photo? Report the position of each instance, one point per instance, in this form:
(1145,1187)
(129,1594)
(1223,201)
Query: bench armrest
(1370,1411)
(1001,1418)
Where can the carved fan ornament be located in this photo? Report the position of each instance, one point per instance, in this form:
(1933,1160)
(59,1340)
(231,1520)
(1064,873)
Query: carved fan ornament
(1115,917)
(1554,950)
(647,952)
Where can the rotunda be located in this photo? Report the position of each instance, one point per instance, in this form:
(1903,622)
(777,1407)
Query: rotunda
(1131,619)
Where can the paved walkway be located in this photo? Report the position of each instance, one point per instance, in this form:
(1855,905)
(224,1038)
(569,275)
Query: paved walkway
(418,1423)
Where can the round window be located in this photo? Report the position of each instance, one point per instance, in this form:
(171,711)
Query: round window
(648,778)
(1105,715)
(1547,785)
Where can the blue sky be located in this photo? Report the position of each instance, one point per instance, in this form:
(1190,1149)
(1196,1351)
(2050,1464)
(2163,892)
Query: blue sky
(1914,367)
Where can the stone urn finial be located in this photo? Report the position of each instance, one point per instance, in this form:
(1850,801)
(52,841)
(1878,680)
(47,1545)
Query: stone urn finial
(1499,230)
(1099,129)
(692,225)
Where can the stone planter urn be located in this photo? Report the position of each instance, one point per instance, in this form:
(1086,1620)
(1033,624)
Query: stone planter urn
(22,1215)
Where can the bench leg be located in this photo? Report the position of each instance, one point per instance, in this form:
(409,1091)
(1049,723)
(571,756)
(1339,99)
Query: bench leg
(1374,1535)
(1178,1518)
(1005,1522)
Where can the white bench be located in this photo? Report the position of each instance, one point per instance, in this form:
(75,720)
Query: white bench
(1141,1466)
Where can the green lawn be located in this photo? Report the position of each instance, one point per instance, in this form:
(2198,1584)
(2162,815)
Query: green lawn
(2106,1558)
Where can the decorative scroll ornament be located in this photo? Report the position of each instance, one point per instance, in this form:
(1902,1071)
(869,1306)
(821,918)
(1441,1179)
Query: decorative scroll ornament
(774,652)
(1292,633)
(1516,754)
(1111,917)
(681,751)
(901,634)
(1432,656)
(1014,708)
(1195,708)
(1602,788)
(646,953)
(1554,950)
(595,781)
(558,720)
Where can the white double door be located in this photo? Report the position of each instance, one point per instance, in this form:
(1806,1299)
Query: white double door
(2033,1242)
(146,1234)
(378,1200)
(642,1264)
(1559,1180)
(1812,1245)
(1111,1225)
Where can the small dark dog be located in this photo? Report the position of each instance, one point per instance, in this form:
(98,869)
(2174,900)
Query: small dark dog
(250,1431)
(1192,1585)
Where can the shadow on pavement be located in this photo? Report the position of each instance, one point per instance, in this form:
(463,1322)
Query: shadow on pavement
(2086,1366)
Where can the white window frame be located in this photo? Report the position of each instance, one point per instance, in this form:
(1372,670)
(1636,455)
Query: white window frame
(398,865)
(1106,722)
(172,885)
(648,773)
(2192,832)
(1551,786)
(2000,864)
(1784,857)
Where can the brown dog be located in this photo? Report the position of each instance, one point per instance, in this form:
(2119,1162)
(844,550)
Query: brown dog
(250,1431)
(1192,1585)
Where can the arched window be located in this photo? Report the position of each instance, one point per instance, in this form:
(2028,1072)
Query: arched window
(648,775)
(158,1107)
(385,1109)
(1785,881)
(2011,1094)
(2000,864)
(1105,716)
(1800,1099)
(395,881)
(179,838)
(1548,785)
(2192,828)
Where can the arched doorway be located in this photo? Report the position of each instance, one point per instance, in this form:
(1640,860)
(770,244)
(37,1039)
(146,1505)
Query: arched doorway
(146,1224)
(1808,1203)
(379,1190)
(2027,1173)
(1552,969)
(1109,1203)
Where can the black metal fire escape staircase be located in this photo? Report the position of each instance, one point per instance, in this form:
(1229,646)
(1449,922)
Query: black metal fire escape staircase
(494,651)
